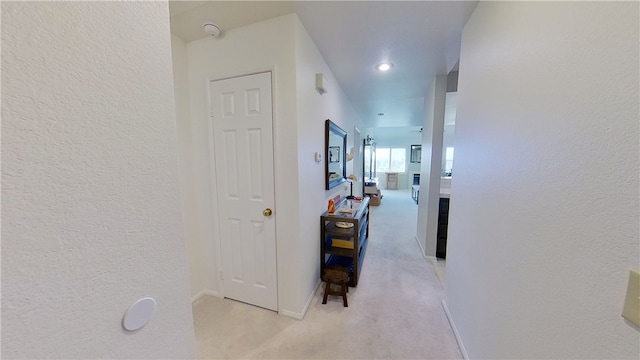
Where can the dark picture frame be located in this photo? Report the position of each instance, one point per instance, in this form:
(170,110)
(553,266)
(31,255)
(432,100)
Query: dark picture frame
(416,153)
(335,172)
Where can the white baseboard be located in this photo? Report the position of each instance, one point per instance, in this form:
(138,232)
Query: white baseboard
(455,331)
(204,292)
(424,254)
(291,314)
(300,316)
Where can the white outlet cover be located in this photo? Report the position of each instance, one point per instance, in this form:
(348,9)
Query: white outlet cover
(139,314)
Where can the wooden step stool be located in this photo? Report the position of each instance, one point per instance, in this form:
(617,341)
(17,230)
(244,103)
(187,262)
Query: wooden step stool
(336,275)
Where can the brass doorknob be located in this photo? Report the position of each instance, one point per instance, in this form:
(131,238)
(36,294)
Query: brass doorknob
(267,212)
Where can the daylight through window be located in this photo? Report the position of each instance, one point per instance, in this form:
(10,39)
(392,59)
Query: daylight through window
(391,159)
(448,163)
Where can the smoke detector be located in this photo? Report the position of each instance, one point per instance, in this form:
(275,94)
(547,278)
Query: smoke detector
(212,28)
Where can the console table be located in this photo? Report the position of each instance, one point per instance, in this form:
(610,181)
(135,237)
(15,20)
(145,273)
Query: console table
(345,246)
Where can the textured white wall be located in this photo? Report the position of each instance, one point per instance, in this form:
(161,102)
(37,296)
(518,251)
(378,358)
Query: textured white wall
(312,111)
(187,179)
(539,255)
(432,137)
(91,215)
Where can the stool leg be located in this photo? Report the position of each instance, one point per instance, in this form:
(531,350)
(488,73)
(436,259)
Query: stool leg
(326,292)
(345,287)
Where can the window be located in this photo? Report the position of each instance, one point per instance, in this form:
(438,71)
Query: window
(391,159)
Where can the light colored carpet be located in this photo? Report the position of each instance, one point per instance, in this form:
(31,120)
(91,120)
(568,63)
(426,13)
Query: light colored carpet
(395,312)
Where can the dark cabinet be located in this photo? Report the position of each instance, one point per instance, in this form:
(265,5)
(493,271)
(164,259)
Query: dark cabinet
(443,226)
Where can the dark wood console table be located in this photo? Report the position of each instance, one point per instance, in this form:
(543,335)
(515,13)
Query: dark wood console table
(345,246)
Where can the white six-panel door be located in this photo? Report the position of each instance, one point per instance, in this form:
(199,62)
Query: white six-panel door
(243,146)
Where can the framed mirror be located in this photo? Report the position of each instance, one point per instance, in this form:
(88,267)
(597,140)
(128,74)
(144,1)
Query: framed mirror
(335,153)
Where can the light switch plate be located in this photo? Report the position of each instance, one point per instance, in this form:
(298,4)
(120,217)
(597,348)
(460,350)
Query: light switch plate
(631,310)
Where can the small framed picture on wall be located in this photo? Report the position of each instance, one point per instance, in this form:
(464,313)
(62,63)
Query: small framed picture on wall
(416,153)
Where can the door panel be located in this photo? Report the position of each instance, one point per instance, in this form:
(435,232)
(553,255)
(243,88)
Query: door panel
(243,146)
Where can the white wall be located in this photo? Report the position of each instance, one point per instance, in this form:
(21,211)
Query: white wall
(282,45)
(312,111)
(432,137)
(186,155)
(268,45)
(91,218)
(539,255)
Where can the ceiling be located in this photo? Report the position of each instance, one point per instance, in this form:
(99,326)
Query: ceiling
(421,38)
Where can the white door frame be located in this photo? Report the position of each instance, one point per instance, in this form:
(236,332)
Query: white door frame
(212,174)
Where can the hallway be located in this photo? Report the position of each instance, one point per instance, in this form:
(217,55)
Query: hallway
(394,313)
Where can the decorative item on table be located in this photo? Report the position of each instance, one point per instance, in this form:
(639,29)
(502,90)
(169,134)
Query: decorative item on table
(342,243)
(339,243)
(331,207)
(351,179)
(344,225)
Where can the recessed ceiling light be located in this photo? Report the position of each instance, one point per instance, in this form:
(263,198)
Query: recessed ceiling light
(385,66)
